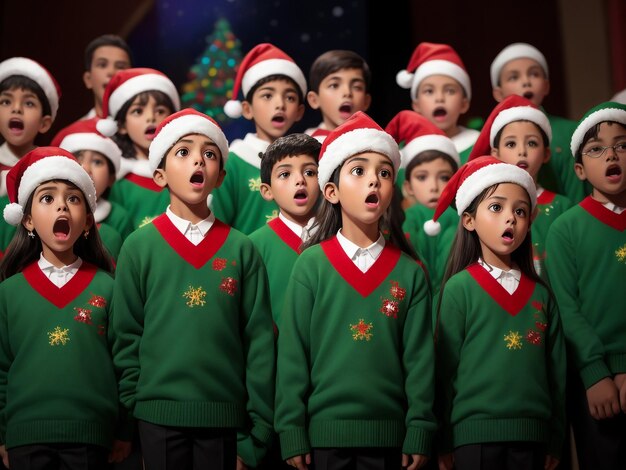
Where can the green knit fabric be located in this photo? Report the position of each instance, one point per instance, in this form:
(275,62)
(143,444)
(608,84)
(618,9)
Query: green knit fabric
(141,203)
(120,220)
(111,239)
(464,154)
(6,231)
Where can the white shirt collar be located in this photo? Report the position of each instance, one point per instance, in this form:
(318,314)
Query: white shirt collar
(353,250)
(185,226)
(59,276)
(304,232)
(613,208)
(497,273)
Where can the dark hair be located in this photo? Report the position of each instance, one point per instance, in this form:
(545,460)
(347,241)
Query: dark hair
(24,250)
(110,167)
(105,40)
(333,61)
(544,136)
(592,134)
(271,78)
(429,156)
(123,141)
(287,146)
(21,82)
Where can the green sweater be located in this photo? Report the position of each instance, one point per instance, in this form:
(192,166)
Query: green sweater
(57,383)
(586,262)
(194,344)
(6,231)
(355,354)
(111,240)
(142,198)
(500,363)
(120,220)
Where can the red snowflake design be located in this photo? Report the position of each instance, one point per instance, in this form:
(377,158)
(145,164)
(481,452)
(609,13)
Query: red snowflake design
(83,315)
(533,337)
(102,330)
(390,308)
(97,301)
(229,285)
(541,325)
(219,264)
(537,305)
(396,291)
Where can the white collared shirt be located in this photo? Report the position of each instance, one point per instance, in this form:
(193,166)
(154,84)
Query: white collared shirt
(194,233)
(613,208)
(363,258)
(59,276)
(303,232)
(507,279)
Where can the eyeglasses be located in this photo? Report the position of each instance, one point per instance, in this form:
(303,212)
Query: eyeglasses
(598,151)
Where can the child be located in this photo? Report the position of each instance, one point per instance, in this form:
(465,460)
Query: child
(104,56)
(340,86)
(289,177)
(586,264)
(274,89)
(440,91)
(189,279)
(519,133)
(500,351)
(355,361)
(521,69)
(58,388)
(138,100)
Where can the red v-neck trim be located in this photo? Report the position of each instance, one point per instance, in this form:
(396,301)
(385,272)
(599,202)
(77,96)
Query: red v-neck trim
(59,296)
(512,303)
(546,197)
(144,182)
(363,282)
(286,234)
(195,255)
(604,215)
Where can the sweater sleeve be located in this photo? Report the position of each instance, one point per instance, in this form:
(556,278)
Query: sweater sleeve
(6,357)
(556,364)
(224,198)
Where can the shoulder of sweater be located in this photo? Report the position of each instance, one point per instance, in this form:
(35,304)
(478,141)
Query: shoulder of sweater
(259,234)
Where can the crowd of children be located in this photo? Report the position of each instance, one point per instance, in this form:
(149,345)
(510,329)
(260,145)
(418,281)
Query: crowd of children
(418,295)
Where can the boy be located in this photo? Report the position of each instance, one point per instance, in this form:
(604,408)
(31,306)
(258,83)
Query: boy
(189,284)
(440,91)
(274,89)
(340,86)
(586,264)
(104,56)
(521,69)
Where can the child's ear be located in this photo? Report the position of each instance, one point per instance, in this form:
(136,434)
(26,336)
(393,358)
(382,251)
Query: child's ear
(160,177)
(331,193)
(266,192)
(406,189)
(579,169)
(415,106)
(494,152)
(27,222)
(313,99)
(497,93)
(368,102)
(88,222)
(465,105)
(547,156)
(300,112)
(45,124)
(87,80)
(111,180)
(246,110)
(220,179)
(533,216)
(468,222)
(121,128)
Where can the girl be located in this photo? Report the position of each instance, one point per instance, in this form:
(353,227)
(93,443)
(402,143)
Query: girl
(58,392)
(500,350)
(355,355)
(138,100)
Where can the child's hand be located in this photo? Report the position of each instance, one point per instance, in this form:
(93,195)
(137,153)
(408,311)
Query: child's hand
(5,456)
(241,465)
(120,450)
(300,462)
(620,383)
(551,462)
(603,399)
(418,461)
(446,461)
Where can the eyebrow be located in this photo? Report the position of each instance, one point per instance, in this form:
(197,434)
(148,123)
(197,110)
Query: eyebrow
(206,142)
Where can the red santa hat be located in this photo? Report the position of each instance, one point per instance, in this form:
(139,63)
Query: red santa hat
(38,166)
(433,59)
(518,50)
(262,61)
(36,72)
(177,125)
(610,111)
(419,135)
(511,109)
(84,135)
(358,134)
(125,85)
(471,180)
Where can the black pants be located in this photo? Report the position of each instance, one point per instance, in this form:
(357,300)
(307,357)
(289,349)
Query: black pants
(500,456)
(370,458)
(58,457)
(174,448)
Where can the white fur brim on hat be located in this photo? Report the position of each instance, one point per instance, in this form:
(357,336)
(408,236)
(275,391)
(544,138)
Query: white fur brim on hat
(180,127)
(272,67)
(139,84)
(602,115)
(519,50)
(489,175)
(90,141)
(520,113)
(441,67)
(352,143)
(421,144)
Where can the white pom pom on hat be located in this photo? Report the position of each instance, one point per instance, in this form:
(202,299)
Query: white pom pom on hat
(233,109)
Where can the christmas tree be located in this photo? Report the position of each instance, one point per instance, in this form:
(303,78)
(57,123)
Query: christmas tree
(211,77)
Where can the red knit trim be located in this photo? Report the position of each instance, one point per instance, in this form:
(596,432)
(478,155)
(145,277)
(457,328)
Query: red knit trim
(286,234)
(59,296)
(604,215)
(4,167)
(512,303)
(144,182)
(195,255)
(546,197)
(363,282)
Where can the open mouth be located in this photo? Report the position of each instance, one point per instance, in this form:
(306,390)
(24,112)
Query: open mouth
(613,171)
(440,112)
(278,119)
(508,235)
(61,228)
(300,194)
(523,165)
(150,130)
(528,95)
(345,108)
(197,178)
(16,125)
(372,199)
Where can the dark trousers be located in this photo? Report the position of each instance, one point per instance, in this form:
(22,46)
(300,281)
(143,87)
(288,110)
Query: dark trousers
(500,456)
(175,448)
(58,457)
(370,458)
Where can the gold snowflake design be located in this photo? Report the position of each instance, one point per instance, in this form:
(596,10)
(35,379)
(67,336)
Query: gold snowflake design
(254,184)
(146,220)
(272,216)
(621,254)
(513,340)
(195,296)
(58,336)
(362,331)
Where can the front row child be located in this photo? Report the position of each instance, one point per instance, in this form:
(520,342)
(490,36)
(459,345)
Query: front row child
(500,348)
(58,394)
(194,344)
(355,349)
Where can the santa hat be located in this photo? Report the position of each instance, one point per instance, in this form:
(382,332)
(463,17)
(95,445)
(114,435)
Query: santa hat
(419,135)
(36,72)
(125,85)
(518,50)
(38,166)
(262,61)
(177,125)
(84,135)
(433,59)
(608,111)
(471,180)
(511,109)
(358,134)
